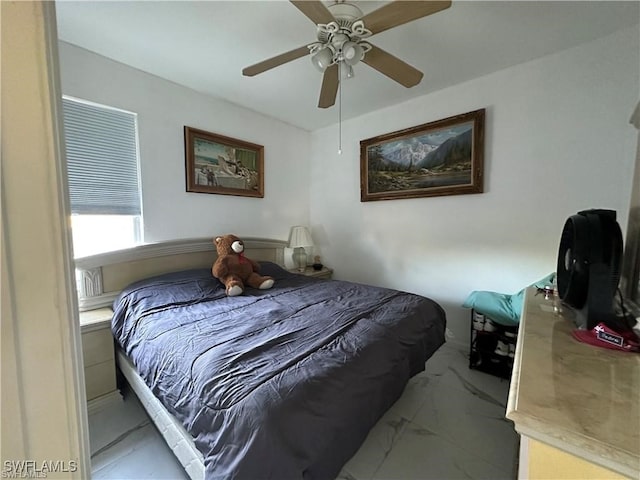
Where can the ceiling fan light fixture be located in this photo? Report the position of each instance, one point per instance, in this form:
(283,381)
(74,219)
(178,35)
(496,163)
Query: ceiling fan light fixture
(352,53)
(322,59)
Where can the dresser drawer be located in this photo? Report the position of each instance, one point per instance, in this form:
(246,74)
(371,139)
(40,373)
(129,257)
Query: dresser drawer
(100,379)
(97,347)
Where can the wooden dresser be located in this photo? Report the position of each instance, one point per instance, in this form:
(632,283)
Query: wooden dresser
(576,406)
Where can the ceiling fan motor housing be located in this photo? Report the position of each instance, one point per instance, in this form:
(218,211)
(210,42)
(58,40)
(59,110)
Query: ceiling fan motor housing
(588,267)
(345,13)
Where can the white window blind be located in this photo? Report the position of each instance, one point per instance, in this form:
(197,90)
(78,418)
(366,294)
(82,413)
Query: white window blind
(102,159)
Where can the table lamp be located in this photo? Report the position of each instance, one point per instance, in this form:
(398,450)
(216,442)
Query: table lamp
(299,238)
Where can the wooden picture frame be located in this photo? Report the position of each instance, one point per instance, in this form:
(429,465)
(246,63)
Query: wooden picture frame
(223,165)
(444,157)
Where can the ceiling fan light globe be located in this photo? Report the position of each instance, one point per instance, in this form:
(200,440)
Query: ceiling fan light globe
(352,53)
(322,59)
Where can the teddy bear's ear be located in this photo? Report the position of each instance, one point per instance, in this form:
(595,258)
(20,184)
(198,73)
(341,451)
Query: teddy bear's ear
(217,240)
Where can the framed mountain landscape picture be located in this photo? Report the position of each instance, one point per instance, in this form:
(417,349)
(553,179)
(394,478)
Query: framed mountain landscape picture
(444,157)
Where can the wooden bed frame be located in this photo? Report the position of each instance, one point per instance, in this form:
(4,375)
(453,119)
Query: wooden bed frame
(100,279)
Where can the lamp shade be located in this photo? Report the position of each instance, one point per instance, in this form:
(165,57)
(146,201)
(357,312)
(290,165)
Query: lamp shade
(352,53)
(322,59)
(300,237)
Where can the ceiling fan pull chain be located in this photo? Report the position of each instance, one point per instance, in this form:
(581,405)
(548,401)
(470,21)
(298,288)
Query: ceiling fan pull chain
(340,109)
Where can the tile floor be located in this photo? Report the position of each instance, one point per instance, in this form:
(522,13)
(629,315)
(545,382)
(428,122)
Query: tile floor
(449,424)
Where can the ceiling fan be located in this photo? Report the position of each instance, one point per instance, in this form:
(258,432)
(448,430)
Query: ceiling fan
(341,30)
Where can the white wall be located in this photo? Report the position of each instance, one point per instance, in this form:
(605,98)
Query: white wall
(557,140)
(163,109)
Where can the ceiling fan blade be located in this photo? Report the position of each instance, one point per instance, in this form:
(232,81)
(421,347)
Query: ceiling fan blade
(275,61)
(329,88)
(392,67)
(314,10)
(401,12)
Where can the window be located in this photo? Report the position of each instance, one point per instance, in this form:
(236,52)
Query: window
(103,174)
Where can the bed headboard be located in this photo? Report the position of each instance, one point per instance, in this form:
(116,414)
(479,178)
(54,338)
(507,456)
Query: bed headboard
(100,278)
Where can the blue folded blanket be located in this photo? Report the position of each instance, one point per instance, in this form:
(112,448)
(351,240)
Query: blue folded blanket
(503,308)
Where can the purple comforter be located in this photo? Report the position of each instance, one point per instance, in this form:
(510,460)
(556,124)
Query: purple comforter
(282,383)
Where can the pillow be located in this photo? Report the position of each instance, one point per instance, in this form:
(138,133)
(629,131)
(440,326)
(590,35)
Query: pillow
(273,270)
(503,308)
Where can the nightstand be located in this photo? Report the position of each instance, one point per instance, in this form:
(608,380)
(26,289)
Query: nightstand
(98,358)
(310,272)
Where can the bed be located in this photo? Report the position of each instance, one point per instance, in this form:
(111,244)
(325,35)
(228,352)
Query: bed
(280,383)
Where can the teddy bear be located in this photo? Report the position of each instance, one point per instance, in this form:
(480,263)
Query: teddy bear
(234,269)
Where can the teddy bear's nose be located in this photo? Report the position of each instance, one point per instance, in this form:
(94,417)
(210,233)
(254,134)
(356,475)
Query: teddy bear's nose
(237,246)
